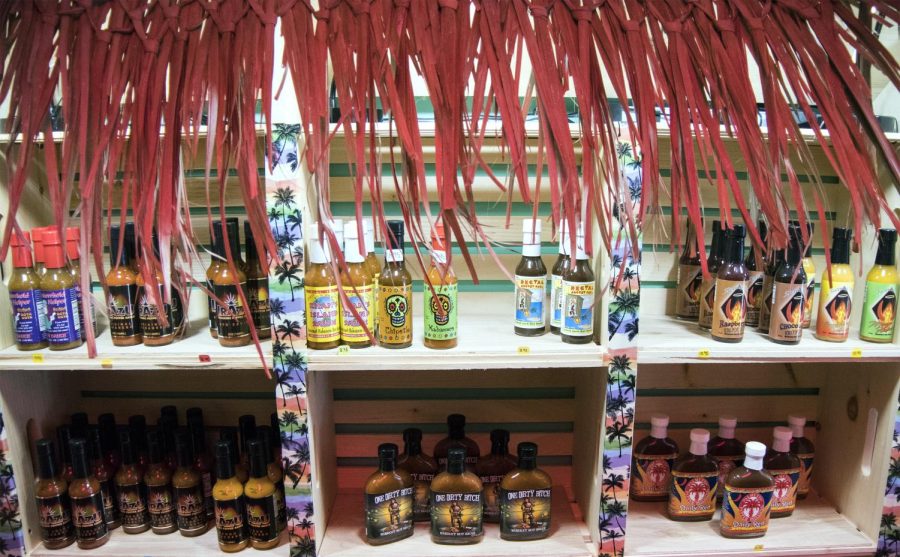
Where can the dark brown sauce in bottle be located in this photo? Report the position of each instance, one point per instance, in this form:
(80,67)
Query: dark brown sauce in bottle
(51,494)
(491,469)
(730,307)
(786,319)
(422,469)
(756,264)
(389,500)
(653,458)
(531,283)
(130,490)
(748,497)
(692,497)
(160,497)
(765,308)
(726,450)
(785,470)
(577,325)
(805,451)
(91,529)
(690,278)
(708,287)
(257,286)
(456,437)
(526,496)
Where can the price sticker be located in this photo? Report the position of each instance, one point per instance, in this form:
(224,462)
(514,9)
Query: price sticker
(204,358)
(758,547)
(106,363)
(343,350)
(37,358)
(523,350)
(856,353)
(703,354)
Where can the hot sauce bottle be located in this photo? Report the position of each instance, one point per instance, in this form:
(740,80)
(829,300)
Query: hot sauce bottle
(190,503)
(804,449)
(58,292)
(276,474)
(395,327)
(38,242)
(167,426)
(359,287)
(229,435)
(695,478)
(456,437)
(257,287)
(531,283)
(708,287)
(105,476)
(29,311)
(73,252)
(836,293)
(785,470)
(578,297)
(130,490)
(121,304)
(216,261)
(202,461)
(810,269)
(228,494)
(421,468)
(765,309)
(556,277)
(389,500)
(373,266)
(730,307)
(491,469)
(690,278)
(137,426)
(786,320)
(727,451)
(106,424)
(748,497)
(879,311)
(323,305)
(456,503)
(526,495)
(152,329)
(63,436)
(231,318)
(756,263)
(653,459)
(260,498)
(247,427)
(441,289)
(158,478)
(51,494)
(91,529)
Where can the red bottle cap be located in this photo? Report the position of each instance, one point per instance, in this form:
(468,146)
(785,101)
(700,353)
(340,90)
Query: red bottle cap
(438,237)
(38,240)
(54,257)
(21,250)
(73,238)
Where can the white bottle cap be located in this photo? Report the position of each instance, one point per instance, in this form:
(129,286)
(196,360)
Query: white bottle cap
(369,231)
(531,237)
(564,237)
(797,424)
(699,440)
(317,254)
(726,426)
(658,426)
(754,451)
(580,251)
(351,244)
(337,226)
(781,439)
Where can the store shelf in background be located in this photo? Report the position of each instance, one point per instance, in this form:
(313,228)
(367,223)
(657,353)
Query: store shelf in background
(815,528)
(666,340)
(345,536)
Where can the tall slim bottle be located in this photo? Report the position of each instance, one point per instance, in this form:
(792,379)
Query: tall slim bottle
(526,495)
(747,505)
(104,473)
(389,500)
(653,458)
(359,287)
(456,503)
(756,269)
(690,278)
(879,311)
(695,479)
(556,277)
(58,292)
(228,494)
(91,529)
(373,266)
(441,295)
(51,494)
(257,286)
(158,479)
(276,474)
(63,436)
(137,426)
(202,461)
(786,320)
(122,300)
(231,315)
(130,490)
(765,309)
(531,283)
(836,292)
(784,468)
(29,311)
(491,469)
(230,436)
(730,307)
(189,500)
(216,261)
(395,299)
(260,498)
(708,287)
(323,304)
(422,469)
(153,331)
(86,302)
(578,297)
(247,427)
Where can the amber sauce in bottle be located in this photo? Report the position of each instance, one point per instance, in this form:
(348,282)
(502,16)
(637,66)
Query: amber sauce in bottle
(257,286)
(526,495)
(91,530)
(58,293)
(395,299)
(456,503)
(51,494)
(456,437)
(556,277)
(260,497)
(695,478)
(730,307)
(202,461)
(158,478)
(359,287)
(690,279)
(747,504)
(577,325)
(491,469)
(756,276)
(786,319)
(231,317)
(276,474)
(726,450)
(422,469)
(29,311)
(441,299)
(530,283)
(323,304)
(121,282)
(130,490)
(228,494)
(190,503)
(708,287)
(373,266)
(804,449)
(389,496)
(653,458)
(785,470)
(105,476)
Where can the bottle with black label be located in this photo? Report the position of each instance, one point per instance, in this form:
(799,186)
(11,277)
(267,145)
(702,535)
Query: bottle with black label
(695,477)
(456,437)
(788,296)
(422,469)
(190,503)
(389,500)
(122,286)
(260,497)
(158,478)
(526,495)
(687,296)
(202,460)
(726,450)
(531,283)
(730,306)
(130,490)
(276,474)
(556,277)
(456,504)
(654,456)
(231,315)
(784,468)
(86,499)
(708,286)
(51,494)
(230,435)
(105,475)
(216,261)
(151,309)
(804,449)
(228,495)
(577,325)
(257,286)
(491,469)
(756,276)
(747,504)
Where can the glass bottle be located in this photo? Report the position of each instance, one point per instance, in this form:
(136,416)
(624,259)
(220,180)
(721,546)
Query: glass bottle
(28,308)
(786,319)
(373,267)
(395,323)
(190,503)
(106,424)
(422,469)
(260,498)
(38,243)
(137,426)
(216,261)
(836,293)
(231,318)
(785,470)
(726,450)
(58,293)
(526,495)
(154,332)
(167,426)
(804,449)
(63,436)
(695,478)
(91,530)
(441,295)
(73,252)
(323,304)
(748,497)
(105,476)
(170,411)
(810,269)
(690,278)
(228,494)
(456,503)
(879,311)
(276,474)
(359,287)
(730,307)
(247,427)
(491,469)
(653,459)
(389,500)
(456,437)
(230,435)
(79,425)
(556,277)
(51,494)
(122,300)
(257,286)
(130,490)
(530,283)
(765,308)
(756,265)
(708,286)
(578,297)
(158,479)
(202,461)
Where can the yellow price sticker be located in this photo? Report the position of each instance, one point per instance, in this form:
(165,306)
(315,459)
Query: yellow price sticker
(343,350)
(37,358)
(758,547)
(703,353)
(856,353)
(106,363)
(523,350)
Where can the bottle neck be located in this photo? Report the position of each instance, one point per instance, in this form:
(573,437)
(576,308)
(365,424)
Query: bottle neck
(413,448)
(393,255)
(698,448)
(531,250)
(456,466)
(885,253)
(840,252)
(456,433)
(387,464)
(793,254)
(781,445)
(726,432)
(46,467)
(753,462)
(797,430)
(527,463)
(690,241)
(658,431)
(499,448)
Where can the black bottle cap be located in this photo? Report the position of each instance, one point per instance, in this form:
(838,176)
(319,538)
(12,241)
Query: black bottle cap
(224,460)
(126,447)
(887,239)
(456,424)
(216,236)
(106,423)
(169,411)
(840,245)
(167,426)
(79,421)
(527,455)
(247,426)
(264,436)
(387,457)
(232,227)
(79,458)
(183,452)
(230,436)
(715,248)
(763,229)
(154,447)
(249,242)
(735,244)
(198,434)
(499,441)
(274,431)
(117,258)
(137,425)
(456,460)
(258,468)
(63,435)
(795,247)
(94,446)
(394,239)
(46,458)
(412,441)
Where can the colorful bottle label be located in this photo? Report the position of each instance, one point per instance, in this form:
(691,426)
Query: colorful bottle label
(148,313)
(43,315)
(808,296)
(122,307)
(835,305)
(456,515)
(786,320)
(491,495)
(421,496)
(754,297)
(362,299)
(784,496)
(652,474)
(230,527)
(190,508)
(55,518)
(530,294)
(395,314)
(231,319)
(726,464)
(261,517)
(440,311)
(322,309)
(746,511)
(687,296)
(556,301)
(879,312)
(389,515)
(693,493)
(525,512)
(62,311)
(161,506)
(110,505)
(26,316)
(729,309)
(707,302)
(258,296)
(578,309)
(80,303)
(87,518)
(131,505)
(806,469)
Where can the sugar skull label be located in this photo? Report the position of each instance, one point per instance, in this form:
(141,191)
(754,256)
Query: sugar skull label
(441,311)
(395,314)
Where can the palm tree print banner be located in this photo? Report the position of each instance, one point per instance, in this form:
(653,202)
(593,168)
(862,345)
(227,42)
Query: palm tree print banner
(889,533)
(12,543)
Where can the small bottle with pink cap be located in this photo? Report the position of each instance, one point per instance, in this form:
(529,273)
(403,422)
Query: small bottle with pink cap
(785,470)
(652,463)
(805,451)
(726,450)
(692,497)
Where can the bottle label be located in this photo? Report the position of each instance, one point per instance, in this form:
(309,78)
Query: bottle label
(231,321)
(729,309)
(765,309)
(322,305)
(393,255)
(578,309)
(87,517)
(784,497)
(456,515)
(42,315)
(707,302)
(530,294)
(55,518)
(693,493)
(110,506)
(879,312)
(131,505)
(422,496)
(389,515)
(121,306)
(280,506)
(206,480)
(258,296)
(230,527)
(786,321)
(556,300)
(806,469)
(26,316)
(395,315)
(161,506)
(808,296)
(212,307)
(755,297)
(190,508)
(261,517)
(491,494)
(80,302)
(525,512)
(835,305)
(651,474)
(687,297)
(440,311)
(726,465)
(362,299)
(62,311)
(746,510)
(148,313)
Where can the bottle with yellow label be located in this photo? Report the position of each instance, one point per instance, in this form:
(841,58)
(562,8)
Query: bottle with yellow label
(441,289)
(323,305)
(786,318)
(578,297)
(359,288)
(531,283)
(730,307)
(692,497)
(708,286)
(756,265)
(687,296)
(747,504)
(879,311)
(395,327)
(836,294)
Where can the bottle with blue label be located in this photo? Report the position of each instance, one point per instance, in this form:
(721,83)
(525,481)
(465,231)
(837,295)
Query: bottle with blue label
(692,495)
(577,325)
(531,283)
(29,315)
(747,504)
(58,292)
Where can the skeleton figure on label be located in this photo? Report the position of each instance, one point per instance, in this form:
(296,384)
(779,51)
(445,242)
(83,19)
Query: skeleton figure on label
(394,510)
(528,512)
(456,516)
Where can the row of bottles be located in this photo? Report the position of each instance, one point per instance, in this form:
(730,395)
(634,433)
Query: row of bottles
(457,491)
(161,479)
(774,291)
